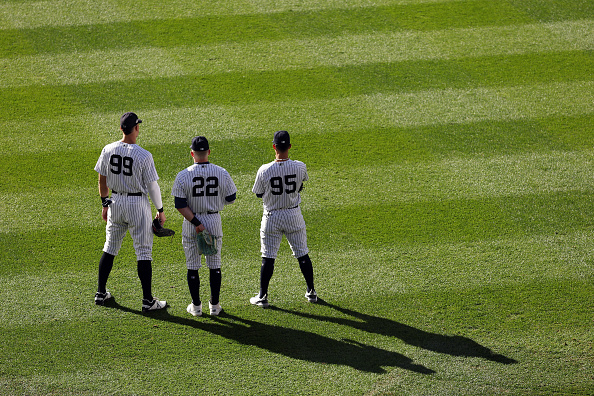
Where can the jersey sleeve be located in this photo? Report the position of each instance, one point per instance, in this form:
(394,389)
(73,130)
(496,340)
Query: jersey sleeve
(230,187)
(259,187)
(150,173)
(178,187)
(101,166)
(305,175)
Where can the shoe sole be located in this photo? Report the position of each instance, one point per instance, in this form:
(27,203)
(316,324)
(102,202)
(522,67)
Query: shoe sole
(153,309)
(195,314)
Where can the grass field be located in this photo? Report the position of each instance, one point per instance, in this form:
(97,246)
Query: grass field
(449,145)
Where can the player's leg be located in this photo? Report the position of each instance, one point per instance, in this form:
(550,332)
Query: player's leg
(270,240)
(193,264)
(213,263)
(114,235)
(105,266)
(140,221)
(298,242)
(266,271)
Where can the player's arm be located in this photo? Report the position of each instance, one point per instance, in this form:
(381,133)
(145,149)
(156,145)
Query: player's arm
(155,194)
(181,204)
(104,194)
(229,199)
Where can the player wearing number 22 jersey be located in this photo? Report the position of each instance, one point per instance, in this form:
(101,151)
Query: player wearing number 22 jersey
(200,192)
(279,184)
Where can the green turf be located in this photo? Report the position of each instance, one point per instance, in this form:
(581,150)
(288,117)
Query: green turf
(449,206)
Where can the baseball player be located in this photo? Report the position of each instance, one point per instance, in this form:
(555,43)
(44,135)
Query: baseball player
(279,183)
(129,171)
(200,192)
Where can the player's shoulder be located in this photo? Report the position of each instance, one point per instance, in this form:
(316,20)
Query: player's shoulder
(266,166)
(217,168)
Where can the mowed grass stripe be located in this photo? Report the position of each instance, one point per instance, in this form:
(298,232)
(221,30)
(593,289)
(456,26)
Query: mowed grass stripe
(332,189)
(257,121)
(205,30)
(290,54)
(398,269)
(84,12)
(88,12)
(296,85)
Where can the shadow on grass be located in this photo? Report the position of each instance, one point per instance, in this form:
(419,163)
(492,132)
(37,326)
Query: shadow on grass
(451,345)
(293,343)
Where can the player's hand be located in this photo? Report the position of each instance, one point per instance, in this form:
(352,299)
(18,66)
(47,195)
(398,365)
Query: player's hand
(200,228)
(161,217)
(104,213)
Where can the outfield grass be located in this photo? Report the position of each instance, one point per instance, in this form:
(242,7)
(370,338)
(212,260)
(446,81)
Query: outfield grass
(449,146)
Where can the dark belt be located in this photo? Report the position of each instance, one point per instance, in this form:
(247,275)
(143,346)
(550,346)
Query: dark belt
(137,194)
(274,210)
(201,213)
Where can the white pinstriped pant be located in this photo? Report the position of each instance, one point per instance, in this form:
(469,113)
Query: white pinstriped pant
(129,214)
(193,253)
(283,221)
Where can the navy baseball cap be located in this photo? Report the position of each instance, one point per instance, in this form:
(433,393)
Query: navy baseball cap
(199,143)
(129,120)
(282,139)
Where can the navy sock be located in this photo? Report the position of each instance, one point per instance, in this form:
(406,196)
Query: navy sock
(105,266)
(215,285)
(194,286)
(307,270)
(145,274)
(266,272)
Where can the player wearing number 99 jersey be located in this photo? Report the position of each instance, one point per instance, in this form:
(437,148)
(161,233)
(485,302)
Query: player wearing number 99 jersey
(201,191)
(129,171)
(279,184)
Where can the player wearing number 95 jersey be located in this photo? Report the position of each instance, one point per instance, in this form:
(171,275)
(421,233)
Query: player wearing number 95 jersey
(200,192)
(129,171)
(279,184)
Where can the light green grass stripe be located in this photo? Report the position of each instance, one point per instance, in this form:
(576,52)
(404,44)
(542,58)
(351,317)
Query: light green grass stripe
(451,179)
(431,107)
(86,12)
(114,65)
(396,270)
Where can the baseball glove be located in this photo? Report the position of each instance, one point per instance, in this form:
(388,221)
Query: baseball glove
(207,243)
(160,231)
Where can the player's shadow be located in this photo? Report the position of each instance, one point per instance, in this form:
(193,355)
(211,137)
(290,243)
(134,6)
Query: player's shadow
(293,343)
(451,345)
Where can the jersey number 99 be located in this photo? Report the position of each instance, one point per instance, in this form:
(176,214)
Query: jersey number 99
(121,164)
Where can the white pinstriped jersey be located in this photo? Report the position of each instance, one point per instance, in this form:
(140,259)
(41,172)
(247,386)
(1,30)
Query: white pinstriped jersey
(279,183)
(205,187)
(128,167)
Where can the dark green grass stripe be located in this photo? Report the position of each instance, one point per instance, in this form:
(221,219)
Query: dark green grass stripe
(325,150)
(453,220)
(302,84)
(382,226)
(555,10)
(277,26)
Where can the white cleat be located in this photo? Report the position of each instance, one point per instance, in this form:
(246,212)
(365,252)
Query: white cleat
(101,298)
(195,310)
(260,301)
(311,296)
(215,310)
(153,305)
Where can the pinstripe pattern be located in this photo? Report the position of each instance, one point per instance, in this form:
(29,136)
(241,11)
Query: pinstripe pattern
(280,182)
(205,187)
(121,176)
(128,169)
